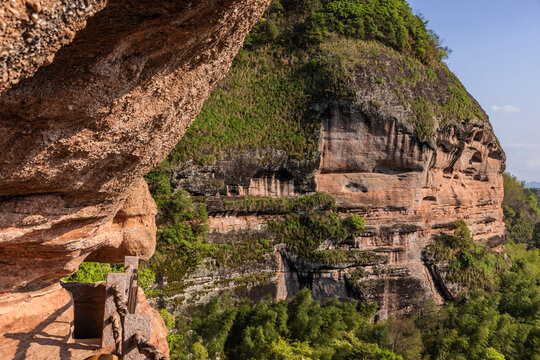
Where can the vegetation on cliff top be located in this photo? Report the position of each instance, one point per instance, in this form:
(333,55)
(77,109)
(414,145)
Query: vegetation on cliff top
(305,51)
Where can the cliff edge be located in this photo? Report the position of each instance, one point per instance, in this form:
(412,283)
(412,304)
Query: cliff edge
(392,135)
(94,95)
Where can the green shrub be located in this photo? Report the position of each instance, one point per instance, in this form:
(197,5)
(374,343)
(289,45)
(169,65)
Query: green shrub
(94,272)
(181,239)
(424,120)
(90,272)
(388,21)
(147,278)
(521,212)
(460,106)
(317,201)
(473,266)
(304,233)
(168,319)
(241,253)
(431,75)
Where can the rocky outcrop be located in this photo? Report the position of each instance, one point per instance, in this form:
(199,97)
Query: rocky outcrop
(132,231)
(122,83)
(80,133)
(375,163)
(34,30)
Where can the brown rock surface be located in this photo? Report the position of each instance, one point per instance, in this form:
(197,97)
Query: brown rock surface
(409,192)
(132,231)
(374,162)
(78,135)
(32,31)
(37,325)
(159,330)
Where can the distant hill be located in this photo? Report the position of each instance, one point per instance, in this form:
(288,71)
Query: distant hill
(532,185)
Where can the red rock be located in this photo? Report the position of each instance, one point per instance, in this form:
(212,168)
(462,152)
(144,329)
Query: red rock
(40,324)
(78,135)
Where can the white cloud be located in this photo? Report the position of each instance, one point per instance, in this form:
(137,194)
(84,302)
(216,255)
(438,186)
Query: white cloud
(522,146)
(507,109)
(535,164)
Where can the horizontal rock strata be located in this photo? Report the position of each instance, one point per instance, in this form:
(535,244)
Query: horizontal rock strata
(370,161)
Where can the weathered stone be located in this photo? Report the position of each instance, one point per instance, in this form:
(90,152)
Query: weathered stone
(36,325)
(54,26)
(80,133)
(45,325)
(372,163)
(121,282)
(135,324)
(159,330)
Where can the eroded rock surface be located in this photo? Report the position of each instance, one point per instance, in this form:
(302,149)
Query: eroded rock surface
(78,135)
(63,323)
(372,161)
(93,95)
(32,31)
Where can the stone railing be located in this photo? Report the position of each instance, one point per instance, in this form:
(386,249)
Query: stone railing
(124,327)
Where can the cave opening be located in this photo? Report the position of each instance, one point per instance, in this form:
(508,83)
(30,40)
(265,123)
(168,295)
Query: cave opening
(476,158)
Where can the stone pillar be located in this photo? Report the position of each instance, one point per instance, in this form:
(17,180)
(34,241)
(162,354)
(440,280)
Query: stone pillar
(120,280)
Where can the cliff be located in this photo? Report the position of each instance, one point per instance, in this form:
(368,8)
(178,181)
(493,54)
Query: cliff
(94,95)
(406,148)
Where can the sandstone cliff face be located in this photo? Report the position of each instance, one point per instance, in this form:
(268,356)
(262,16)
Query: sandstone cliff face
(409,192)
(372,162)
(79,133)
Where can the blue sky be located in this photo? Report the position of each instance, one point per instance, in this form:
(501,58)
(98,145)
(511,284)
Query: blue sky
(496,54)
